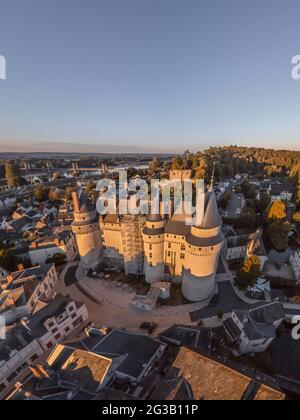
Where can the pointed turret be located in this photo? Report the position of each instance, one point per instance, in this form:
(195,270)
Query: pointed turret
(87,232)
(212,217)
(203,246)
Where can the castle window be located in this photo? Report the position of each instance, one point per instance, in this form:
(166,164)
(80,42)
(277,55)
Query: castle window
(182,248)
(182,256)
(169,254)
(169,245)
(150,247)
(150,255)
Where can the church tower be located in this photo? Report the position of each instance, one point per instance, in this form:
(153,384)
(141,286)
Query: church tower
(203,247)
(87,232)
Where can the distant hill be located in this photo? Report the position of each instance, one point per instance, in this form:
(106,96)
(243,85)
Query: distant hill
(47,147)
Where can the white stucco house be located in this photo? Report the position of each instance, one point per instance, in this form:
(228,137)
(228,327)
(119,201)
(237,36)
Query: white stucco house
(254,330)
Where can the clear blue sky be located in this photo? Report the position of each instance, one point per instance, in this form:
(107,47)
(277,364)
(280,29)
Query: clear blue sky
(169,74)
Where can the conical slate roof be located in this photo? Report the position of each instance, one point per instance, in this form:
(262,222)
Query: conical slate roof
(212,217)
(85,204)
(154,218)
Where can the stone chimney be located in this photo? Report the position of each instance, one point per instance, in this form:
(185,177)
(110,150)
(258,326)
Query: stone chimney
(39,372)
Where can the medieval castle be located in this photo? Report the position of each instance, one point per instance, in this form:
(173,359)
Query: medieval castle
(158,246)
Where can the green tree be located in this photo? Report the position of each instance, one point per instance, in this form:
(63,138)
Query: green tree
(202,170)
(263,203)
(249,273)
(12,174)
(278,234)
(8,260)
(41,193)
(225,200)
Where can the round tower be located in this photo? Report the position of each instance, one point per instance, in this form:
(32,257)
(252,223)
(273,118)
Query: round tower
(203,247)
(153,237)
(87,232)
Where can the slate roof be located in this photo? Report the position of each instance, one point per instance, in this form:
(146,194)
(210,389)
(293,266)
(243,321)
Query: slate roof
(55,308)
(16,339)
(259,322)
(212,217)
(85,205)
(138,350)
(19,224)
(209,379)
(154,218)
(172,390)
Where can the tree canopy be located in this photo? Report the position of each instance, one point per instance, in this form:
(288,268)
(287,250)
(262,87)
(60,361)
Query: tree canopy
(249,273)
(276,211)
(12,174)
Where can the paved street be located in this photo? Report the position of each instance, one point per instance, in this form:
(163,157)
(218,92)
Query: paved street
(111,306)
(228,301)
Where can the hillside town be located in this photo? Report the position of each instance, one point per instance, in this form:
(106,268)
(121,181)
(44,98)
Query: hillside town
(147,306)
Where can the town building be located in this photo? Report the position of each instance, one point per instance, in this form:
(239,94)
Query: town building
(254,330)
(45,248)
(295,263)
(278,191)
(22,290)
(101,366)
(196,376)
(136,355)
(238,248)
(30,339)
